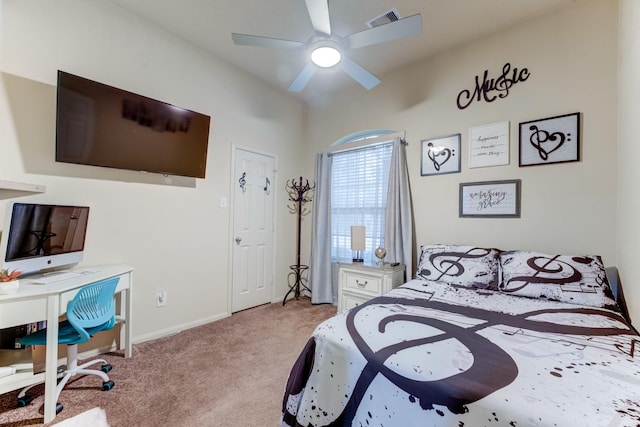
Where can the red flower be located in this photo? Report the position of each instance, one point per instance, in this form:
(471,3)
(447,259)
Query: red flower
(7,276)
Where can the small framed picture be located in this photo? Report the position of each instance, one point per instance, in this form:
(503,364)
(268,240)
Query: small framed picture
(440,155)
(490,199)
(551,140)
(489,145)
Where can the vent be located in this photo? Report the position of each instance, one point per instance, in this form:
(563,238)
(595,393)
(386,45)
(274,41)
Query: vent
(385,18)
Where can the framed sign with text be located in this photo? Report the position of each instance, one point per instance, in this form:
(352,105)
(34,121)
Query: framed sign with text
(489,145)
(490,199)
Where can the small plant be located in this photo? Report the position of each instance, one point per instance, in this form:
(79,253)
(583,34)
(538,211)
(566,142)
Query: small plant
(7,276)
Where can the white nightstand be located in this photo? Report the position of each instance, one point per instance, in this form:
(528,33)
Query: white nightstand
(361,282)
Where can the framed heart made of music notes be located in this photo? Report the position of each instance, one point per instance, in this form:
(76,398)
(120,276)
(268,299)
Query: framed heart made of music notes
(551,140)
(440,155)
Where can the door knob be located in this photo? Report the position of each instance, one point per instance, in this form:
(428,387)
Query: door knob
(238,240)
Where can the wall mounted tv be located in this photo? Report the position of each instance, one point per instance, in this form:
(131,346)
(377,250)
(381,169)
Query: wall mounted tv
(100,125)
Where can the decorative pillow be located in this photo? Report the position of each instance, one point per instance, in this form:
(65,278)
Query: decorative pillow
(573,279)
(467,266)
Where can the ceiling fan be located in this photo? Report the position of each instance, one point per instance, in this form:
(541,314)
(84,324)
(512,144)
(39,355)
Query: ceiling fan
(327,50)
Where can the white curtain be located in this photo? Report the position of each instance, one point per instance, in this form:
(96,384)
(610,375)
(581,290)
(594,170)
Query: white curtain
(398,234)
(398,224)
(320,263)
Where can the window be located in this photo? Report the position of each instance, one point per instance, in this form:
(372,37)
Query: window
(359,181)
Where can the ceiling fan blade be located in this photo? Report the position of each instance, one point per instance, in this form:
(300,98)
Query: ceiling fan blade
(319,14)
(402,28)
(248,40)
(359,74)
(303,78)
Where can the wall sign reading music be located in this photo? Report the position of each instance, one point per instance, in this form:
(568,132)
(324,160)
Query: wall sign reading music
(490,89)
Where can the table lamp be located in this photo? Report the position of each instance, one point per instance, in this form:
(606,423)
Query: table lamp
(357,242)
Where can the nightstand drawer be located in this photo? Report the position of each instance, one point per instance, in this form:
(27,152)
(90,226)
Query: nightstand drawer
(362,282)
(349,300)
(358,283)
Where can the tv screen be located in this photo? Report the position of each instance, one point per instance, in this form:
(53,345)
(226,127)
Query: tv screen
(101,125)
(40,237)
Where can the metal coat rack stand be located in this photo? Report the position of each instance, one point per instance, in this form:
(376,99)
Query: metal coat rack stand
(300,193)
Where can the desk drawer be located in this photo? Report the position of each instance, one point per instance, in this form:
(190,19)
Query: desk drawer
(362,282)
(19,312)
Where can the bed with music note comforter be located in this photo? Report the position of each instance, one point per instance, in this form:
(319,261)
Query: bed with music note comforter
(436,353)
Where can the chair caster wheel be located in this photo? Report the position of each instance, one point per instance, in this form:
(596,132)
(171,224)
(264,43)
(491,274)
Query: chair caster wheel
(108,385)
(106,368)
(59,408)
(24,401)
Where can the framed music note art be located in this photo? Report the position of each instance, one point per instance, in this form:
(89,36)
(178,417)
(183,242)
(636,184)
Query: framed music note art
(440,155)
(551,140)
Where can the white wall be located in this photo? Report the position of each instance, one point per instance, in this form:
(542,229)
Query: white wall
(628,154)
(566,208)
(176,235)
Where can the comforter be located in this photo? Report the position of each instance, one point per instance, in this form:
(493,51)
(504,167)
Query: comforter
(435,354)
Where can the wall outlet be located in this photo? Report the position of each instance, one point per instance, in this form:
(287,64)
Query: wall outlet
(161,298)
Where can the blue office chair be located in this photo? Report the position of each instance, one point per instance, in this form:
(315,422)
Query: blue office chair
(92,310)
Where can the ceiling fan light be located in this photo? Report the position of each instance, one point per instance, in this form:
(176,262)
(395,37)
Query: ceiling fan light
(325,56)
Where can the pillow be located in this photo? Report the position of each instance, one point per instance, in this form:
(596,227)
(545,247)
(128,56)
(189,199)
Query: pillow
(573,279)
(467,266)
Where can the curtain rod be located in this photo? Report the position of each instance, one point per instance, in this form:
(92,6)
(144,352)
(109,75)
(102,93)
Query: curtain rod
(370,142)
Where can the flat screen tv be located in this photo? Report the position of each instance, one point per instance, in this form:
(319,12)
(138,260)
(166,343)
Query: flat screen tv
(100,125)
(40,237)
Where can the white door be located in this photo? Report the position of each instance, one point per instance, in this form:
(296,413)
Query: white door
(252,253)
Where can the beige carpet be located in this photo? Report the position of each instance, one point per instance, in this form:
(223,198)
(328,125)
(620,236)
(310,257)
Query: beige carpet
(228,373)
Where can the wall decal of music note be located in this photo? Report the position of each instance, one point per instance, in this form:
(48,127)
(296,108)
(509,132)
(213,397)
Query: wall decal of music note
(550,140)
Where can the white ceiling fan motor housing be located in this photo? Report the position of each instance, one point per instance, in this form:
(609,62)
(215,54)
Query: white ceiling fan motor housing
(326,52)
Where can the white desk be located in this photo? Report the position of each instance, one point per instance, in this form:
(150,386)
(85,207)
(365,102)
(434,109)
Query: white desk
(34,303)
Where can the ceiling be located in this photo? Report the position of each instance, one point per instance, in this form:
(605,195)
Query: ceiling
(446,24)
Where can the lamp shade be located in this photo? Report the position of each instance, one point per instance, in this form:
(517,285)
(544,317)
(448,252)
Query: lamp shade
(357,238)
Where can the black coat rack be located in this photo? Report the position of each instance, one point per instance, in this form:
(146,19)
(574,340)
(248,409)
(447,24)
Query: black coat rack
(300,193)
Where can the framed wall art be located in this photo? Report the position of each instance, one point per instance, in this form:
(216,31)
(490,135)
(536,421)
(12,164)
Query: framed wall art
(489,145)
(551,140)
(440,155)
(490,199)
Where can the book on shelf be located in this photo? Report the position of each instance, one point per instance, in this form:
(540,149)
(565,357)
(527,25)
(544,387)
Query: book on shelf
(9,337)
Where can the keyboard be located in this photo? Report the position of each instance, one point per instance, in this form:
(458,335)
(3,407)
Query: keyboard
(55,277)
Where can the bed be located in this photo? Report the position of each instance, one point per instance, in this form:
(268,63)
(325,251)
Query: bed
(480,337)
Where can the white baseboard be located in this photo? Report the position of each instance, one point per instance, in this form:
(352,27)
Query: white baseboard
(177,328)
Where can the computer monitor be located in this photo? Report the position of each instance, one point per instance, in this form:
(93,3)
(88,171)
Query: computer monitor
(43,237)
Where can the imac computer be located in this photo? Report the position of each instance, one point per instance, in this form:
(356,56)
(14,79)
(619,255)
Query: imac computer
(43,237)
